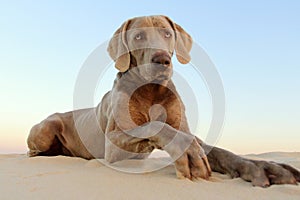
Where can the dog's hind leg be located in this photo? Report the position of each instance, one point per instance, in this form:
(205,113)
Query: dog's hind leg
(43,139)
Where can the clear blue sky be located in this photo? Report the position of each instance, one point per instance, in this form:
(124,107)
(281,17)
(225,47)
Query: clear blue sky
(254,44)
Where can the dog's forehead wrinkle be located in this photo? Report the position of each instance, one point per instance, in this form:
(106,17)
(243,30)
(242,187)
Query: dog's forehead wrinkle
(150,21)
(160,22)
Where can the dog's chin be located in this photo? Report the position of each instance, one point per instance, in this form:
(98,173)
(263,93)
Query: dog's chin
(162,74)
(153,73)
(162,78)
(158,78)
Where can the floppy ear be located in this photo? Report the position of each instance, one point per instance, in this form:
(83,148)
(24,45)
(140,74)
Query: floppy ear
(118,49)
(183,43)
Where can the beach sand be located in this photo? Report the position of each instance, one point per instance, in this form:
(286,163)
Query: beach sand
(75,178)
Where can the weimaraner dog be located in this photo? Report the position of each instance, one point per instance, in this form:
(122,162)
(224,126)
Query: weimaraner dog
(144,112)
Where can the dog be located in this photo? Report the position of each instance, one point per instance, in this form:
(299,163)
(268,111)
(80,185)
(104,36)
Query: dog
(143,112)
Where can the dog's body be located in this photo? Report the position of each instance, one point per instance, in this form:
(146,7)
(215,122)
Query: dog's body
(144,112)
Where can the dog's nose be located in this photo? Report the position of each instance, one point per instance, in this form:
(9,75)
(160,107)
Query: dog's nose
(161,58)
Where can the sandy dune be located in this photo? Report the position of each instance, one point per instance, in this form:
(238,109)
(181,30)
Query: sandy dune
(75,178)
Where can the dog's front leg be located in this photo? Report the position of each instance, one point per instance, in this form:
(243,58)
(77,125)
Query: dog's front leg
(259,173)
(190,159)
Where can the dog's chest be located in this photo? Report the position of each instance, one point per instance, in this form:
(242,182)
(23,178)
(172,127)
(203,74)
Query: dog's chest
(145,107)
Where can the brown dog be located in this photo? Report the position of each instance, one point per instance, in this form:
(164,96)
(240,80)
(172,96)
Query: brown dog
(144,112)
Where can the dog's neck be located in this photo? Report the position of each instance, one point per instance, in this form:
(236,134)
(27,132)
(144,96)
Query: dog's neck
(153,94)
(128,82)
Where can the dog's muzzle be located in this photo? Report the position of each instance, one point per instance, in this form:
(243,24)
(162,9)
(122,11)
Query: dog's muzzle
(161,58)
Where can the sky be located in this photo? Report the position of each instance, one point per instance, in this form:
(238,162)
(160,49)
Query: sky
(254,45)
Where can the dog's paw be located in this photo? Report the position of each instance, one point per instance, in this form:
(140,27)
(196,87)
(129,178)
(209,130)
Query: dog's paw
(32,153)
(264,173)
(193,164)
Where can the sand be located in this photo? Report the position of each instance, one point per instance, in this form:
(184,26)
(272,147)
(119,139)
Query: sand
(75,178)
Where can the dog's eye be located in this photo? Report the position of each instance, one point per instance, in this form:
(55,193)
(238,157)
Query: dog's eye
(138,36)
(168,34)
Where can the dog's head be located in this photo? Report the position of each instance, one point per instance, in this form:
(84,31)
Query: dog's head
(149,43)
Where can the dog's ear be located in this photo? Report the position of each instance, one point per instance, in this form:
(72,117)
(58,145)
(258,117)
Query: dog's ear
(183,43)
(118,49)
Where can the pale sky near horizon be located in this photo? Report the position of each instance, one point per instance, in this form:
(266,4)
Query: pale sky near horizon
(255,45)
